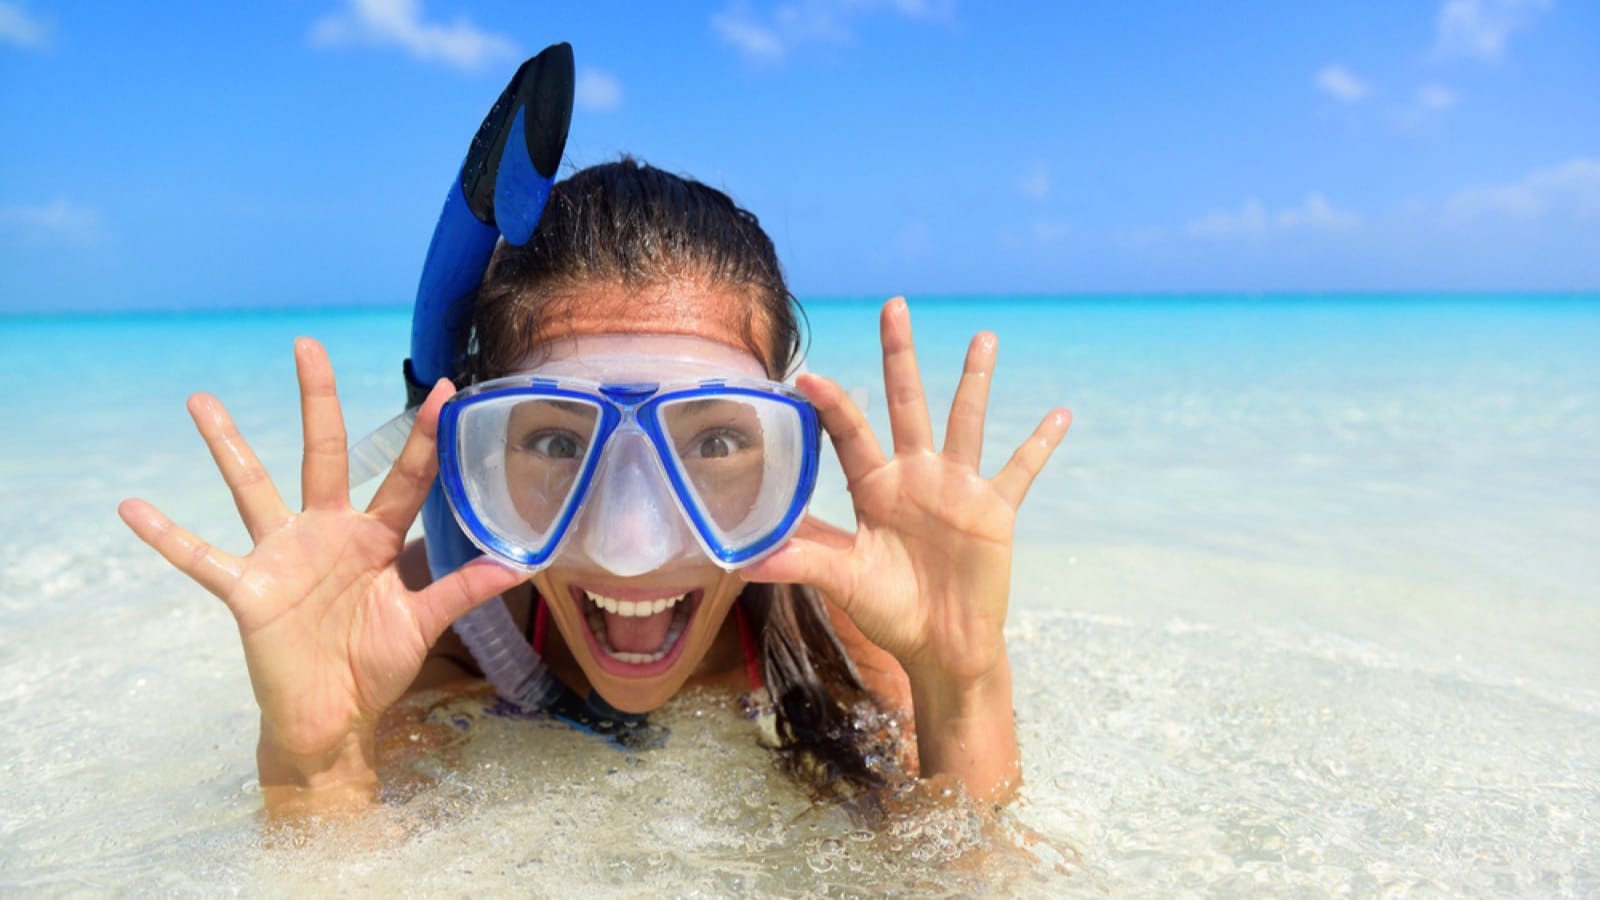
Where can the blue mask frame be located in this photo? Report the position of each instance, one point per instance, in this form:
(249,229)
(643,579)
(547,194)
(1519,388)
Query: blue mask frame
(618,404)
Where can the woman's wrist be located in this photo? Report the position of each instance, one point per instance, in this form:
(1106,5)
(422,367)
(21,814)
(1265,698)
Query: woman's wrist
(343,775)
(966,728)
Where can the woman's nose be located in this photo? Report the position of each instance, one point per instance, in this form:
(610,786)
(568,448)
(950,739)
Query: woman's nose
(633,525)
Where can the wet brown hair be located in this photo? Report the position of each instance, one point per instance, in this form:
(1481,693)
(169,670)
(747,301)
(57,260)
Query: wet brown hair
(633,225)
(638,226)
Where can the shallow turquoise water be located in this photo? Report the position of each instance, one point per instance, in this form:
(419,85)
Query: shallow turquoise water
(1305,603)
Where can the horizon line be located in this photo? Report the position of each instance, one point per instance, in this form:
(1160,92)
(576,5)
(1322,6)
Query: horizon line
(1199,296)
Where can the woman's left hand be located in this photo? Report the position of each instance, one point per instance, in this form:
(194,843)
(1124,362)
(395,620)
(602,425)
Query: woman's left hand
(926,576)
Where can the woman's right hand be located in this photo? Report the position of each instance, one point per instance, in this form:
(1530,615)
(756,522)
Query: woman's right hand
(331,636)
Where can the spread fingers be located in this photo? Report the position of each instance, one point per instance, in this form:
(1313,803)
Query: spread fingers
(1014,480)
(858,451)
(908,406)
(253,492)
(213,569)
(402,493)
(963,436)
(325,468)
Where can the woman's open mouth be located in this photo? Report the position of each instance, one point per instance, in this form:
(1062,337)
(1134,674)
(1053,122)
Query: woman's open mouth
(636,633)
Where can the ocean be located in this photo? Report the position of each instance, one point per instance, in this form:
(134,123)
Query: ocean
(1307,602)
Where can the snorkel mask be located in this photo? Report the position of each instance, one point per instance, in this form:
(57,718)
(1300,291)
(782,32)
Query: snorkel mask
(631,454)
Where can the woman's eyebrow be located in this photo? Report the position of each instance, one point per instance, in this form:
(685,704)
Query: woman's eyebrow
(569,409)
(697,406)
(708,406)
(573,408)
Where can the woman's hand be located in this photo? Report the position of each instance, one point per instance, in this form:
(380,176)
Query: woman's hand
(331,636)
(927,574)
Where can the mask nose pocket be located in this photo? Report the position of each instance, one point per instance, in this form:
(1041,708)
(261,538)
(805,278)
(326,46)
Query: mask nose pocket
(632,524)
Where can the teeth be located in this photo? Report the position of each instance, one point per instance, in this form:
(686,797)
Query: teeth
(639,658)
(598,602)
(632,607)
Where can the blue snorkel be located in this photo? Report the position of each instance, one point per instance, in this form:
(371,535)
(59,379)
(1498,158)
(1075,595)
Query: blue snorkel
(504,183)
(505,180)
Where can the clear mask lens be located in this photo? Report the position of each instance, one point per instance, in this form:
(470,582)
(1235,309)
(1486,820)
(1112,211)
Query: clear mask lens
(522,461)
(739,458)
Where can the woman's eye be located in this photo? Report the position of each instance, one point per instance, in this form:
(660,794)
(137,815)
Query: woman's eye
(718,444)
(554,444)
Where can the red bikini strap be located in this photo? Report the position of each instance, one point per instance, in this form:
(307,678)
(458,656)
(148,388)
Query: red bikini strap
(752,657)
(541,623)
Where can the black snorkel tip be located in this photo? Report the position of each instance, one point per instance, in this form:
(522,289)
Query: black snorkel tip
(548,100)
(541,90)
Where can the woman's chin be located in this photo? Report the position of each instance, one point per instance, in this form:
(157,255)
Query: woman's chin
(631,695)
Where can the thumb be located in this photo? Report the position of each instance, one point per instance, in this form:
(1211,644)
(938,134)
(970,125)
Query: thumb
(452,596)
(808,562)
(813,528)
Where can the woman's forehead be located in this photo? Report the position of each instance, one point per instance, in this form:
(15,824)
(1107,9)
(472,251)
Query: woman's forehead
(640,356)
(687,308)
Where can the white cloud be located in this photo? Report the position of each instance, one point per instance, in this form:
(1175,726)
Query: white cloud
(19,28)
(399,23)
(58,221)
(1571,188)
(597,91)
(1316,212)
(1436,97)
(1051,231)
(1479,29)
(769,37)
(1034,184)
(1139,236)
(1339,83)
(1253,219)
(754,41)
(933,10)
(1424,109)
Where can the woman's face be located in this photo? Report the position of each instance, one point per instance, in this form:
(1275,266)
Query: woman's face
(638,638)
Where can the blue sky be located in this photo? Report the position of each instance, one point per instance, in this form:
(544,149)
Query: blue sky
(166,155)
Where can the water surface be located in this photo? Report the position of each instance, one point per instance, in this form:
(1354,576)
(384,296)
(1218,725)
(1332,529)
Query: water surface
(1305,603)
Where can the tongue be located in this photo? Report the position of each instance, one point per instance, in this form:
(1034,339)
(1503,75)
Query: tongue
(638,634)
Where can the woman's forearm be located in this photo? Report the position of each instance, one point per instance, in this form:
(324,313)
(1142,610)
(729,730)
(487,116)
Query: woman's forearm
(968,730)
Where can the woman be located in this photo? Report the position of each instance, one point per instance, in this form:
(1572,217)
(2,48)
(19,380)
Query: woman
(632,270)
